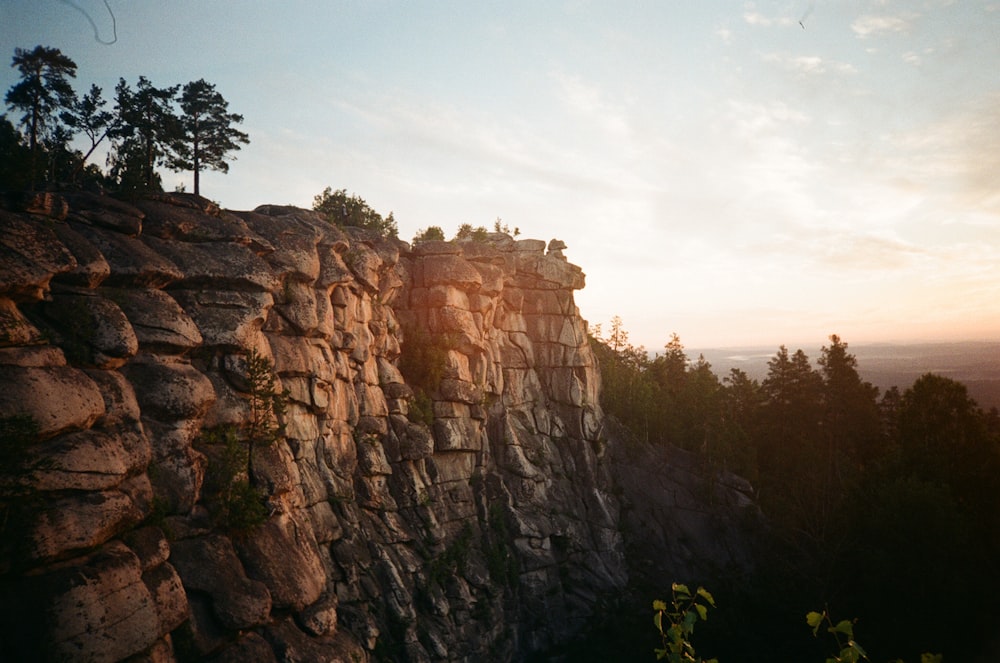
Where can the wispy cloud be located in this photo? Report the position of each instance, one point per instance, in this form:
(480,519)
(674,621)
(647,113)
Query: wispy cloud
(866,252)
(587,100)
(808,65)
(957,157)
(871,25)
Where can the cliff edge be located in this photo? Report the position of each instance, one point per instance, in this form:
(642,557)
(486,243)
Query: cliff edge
(463,512)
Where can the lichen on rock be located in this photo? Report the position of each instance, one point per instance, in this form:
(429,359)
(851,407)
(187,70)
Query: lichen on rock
(436,491)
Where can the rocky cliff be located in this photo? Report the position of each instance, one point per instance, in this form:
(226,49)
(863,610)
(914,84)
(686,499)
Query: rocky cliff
(461,513)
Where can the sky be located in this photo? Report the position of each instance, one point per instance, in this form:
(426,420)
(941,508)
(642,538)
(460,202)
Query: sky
(738,173)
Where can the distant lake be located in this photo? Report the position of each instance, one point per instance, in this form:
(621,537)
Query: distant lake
(976,364)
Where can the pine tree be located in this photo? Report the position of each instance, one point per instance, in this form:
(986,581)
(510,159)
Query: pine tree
(206,135)
(42,91)
(147,127)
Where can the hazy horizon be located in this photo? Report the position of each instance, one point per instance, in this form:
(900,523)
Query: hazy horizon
(719,170)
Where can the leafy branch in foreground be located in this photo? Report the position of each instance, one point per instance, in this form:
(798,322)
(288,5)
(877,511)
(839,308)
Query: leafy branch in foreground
(676,623)
(681,616)
(843,632)
(849,649)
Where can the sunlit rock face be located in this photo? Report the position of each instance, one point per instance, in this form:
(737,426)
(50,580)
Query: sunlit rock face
(459,509)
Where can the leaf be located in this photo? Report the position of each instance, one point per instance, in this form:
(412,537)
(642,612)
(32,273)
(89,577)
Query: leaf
(858,648)
(844,626)
(705,594)
(658,621)
(690,619)
(815,620)
(659,605)
(683,590)
(702,611)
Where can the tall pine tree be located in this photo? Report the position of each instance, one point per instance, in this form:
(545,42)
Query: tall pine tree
(206,136)
(44,89)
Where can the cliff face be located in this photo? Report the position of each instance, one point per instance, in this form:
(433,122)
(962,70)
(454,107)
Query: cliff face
(463,515)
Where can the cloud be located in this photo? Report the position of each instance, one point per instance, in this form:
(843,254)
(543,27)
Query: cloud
(587,100)
(867,252)
(808,65)
(956,157)
(871,25)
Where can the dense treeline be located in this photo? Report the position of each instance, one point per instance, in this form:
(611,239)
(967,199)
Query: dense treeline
(184,128)
(882,506)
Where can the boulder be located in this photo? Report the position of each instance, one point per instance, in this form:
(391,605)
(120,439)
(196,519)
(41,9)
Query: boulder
(58,398)
(132,263)
(169,390)
(77,522)
(92,329)
(91,267)
(210,565)
(159,323)
(30,255)
(96,608)
(283,554)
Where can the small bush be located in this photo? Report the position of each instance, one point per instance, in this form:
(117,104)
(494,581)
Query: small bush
(432,233)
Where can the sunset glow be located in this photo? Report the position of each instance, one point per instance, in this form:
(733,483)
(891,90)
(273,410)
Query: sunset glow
(740,173)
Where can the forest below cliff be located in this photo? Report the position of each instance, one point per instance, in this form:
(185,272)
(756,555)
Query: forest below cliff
(881,507)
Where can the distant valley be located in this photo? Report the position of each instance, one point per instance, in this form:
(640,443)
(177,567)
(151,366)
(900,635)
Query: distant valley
(976,364)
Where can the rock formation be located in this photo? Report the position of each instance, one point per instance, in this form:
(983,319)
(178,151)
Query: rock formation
(462,512)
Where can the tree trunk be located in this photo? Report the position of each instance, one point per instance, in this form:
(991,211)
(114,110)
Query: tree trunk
(196,162)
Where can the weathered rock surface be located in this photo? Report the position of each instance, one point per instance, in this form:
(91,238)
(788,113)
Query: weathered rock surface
(440,490)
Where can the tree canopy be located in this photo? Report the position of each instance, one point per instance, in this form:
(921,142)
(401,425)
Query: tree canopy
(342,209)
(883,505)
(183,128)
(43,90)
(205,136)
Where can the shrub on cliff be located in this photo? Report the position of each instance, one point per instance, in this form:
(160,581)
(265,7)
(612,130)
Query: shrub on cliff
(343,210)
(235,499)
(431,233)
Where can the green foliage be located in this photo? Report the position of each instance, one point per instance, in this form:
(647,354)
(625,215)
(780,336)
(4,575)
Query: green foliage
(43,91)
(888,500)
(87,115)
(15,158)
(144,128)
(500,227)
(148,125)
(500,559)
(206,135)
(267,406)
(454,558)
(849,651)
(675,623)
(421,408)
(422,361)
(431,233)
(245,507)
(230,488)
(343,210)
(234,503)
(467,232)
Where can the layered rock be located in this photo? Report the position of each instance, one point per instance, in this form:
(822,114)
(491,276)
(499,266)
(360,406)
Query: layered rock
(457,509)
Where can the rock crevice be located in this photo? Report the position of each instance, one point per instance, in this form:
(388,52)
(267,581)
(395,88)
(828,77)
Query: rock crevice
(439,490)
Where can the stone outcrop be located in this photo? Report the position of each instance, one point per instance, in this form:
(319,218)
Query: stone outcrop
(440,489)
